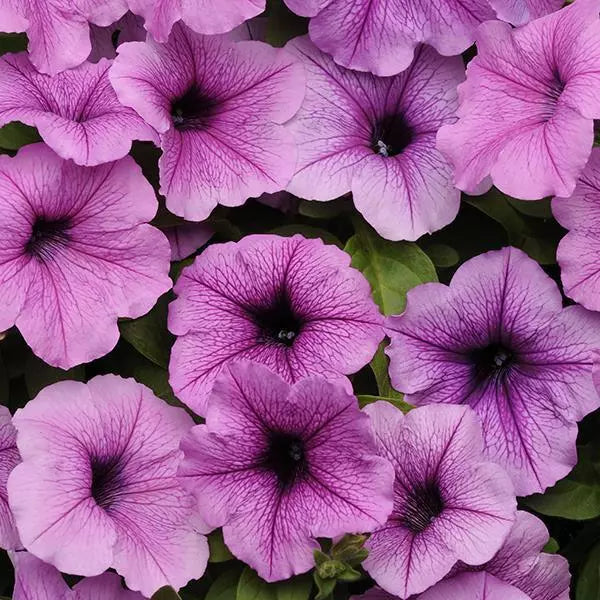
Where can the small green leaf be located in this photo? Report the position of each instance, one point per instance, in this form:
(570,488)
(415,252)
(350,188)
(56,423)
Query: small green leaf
(325,586)
(551,546)
(38,375)
(225,586)
(166,593)
(12,42)
(577,496)
(540,209)
(392,268)
(324,210)
(16,135)
(588,584)
(297,588)
(149,334)
(349,574)
(380,367)
(252,587)
(397,402)
(441,255)
(219,552)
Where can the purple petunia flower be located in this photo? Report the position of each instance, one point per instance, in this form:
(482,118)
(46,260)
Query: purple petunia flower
(450,503)
(58,31)
(278,466)
(186,238)
(105,40)
(498,339)
(37,580)
(9,458)
(528,104)
(76,112)
(219,106)
(293,304)
(579,251)
(203,16)
(375,136)
(474,586)
(97,487)
(76,252)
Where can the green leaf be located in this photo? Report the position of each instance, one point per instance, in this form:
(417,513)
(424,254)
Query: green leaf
(252,587)
(324,210)
(325,586)
(397,402)
(297,588)
(38,375)
(225,586)
(283,24)
(588,585)
(15,135)
(149,334)
(442,255)
(551,546)
(540,209)
(166,593)
(392,268)
(380,367)
(308,232)
(219,552)
(12,42)
(577,496)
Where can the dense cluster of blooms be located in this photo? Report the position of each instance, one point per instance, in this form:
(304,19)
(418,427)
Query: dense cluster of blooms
(261,434)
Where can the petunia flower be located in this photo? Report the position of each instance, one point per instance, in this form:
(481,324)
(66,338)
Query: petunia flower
(474,586)
(203,16)
(97,487)
(293,304)
(280,465)
(76,253)
(578,253)
(519,563)
(76,112)
(58,30)
(498,339)
(9,458)
(37,580)
(219,106)
(527,107)
(186,238)
(450,503)
(106,40)
(375,137)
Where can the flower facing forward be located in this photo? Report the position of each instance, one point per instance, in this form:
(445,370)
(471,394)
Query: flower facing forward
(280,465)
(76,253)
(97,487)
(498,339)
(450,503)
(37,580)
(528,106)
(219,107)
(293,304)
(76,112)
(375,137)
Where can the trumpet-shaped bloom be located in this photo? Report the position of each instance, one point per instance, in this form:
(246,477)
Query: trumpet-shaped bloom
(450,503)
(474,586)
(58,30)
(375,136)
(578,253)
(203,16)
(278,466)
(76,112)
(97,487)
(37,580)
(76,252)
(527,107)
(293,304)
(219,106)
(498,339)
(9,458)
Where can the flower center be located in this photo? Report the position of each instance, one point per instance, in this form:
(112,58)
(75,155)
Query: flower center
(192,110)
(278,323)
(391,135)
(492,361)
(47,235)
(557,85)
(424,505)
(106,480)
(285,456)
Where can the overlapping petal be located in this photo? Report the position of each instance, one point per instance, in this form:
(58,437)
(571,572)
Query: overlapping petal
(9,458)
(97,487)
(293,304)
(474,586)
(375,137)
